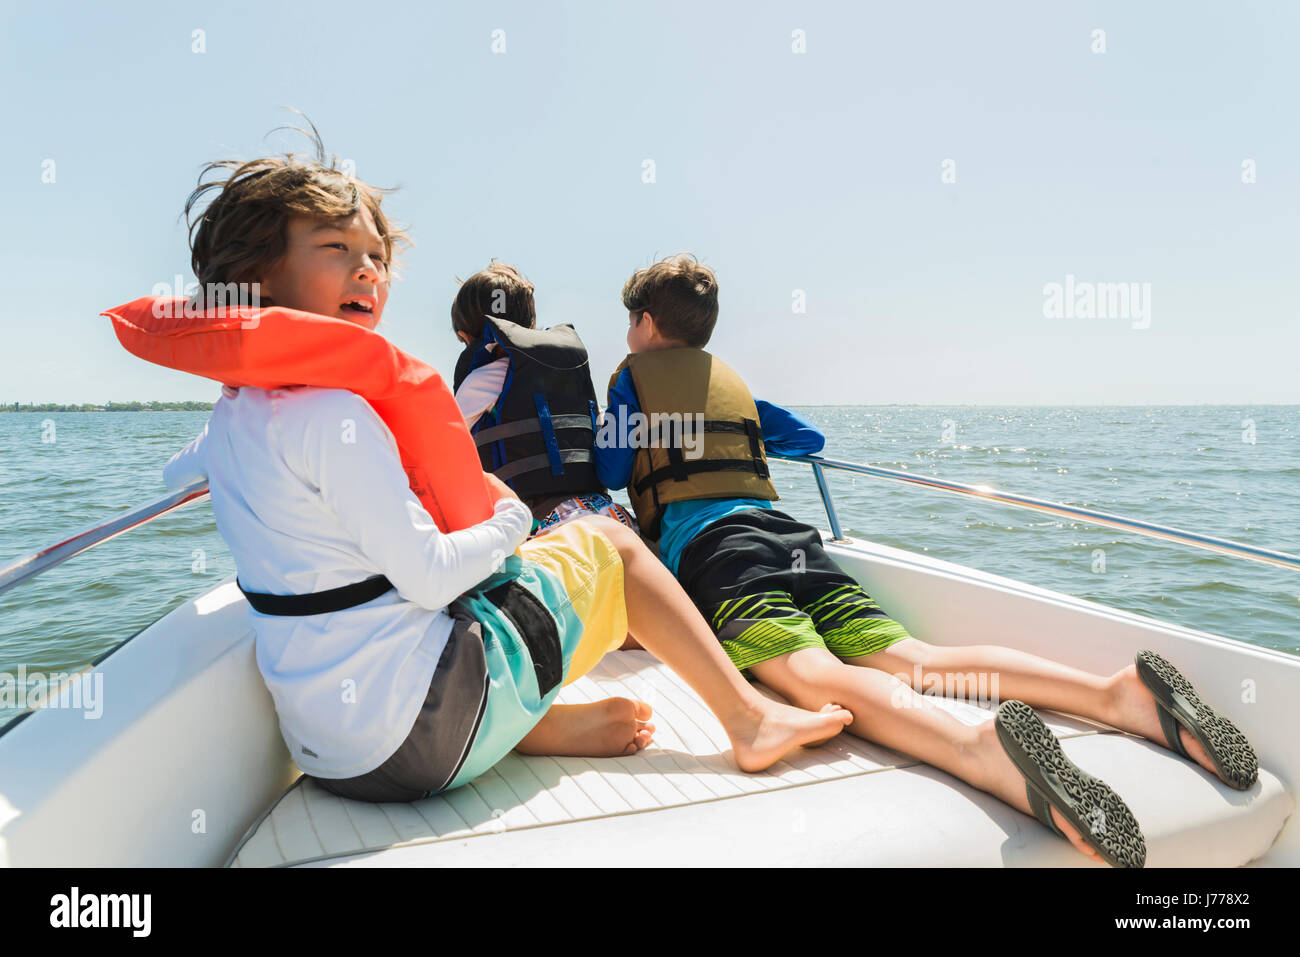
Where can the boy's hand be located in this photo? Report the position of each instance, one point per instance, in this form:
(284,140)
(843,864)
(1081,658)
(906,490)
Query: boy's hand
(498,489)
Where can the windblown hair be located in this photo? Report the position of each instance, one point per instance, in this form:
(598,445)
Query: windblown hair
(499,291)
(243,232)
(682,296)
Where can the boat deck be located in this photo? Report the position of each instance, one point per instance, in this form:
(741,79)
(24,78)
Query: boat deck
(682,802)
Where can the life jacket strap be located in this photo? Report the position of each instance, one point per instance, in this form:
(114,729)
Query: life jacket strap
(549,439)
(659,476)
(511,429)
(756,447)
(678,469)
(534,463)
(320,602)
(671,427)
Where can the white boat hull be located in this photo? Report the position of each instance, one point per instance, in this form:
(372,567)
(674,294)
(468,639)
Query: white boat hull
(186,763)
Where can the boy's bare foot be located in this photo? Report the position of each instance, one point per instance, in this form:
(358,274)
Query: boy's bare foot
(765,734)
(608,728)
(1133,709)
(827,709)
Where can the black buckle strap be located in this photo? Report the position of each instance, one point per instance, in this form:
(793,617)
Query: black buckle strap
(320,602)
(676,461)
(708,465)
(656,434)
(656,524)
(756,447)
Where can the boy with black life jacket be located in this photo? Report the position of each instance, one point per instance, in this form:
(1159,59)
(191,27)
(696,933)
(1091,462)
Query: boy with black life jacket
(528,400)
(783,610)
(402,658)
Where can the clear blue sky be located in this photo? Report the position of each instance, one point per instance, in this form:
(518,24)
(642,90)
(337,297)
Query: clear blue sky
(818,171)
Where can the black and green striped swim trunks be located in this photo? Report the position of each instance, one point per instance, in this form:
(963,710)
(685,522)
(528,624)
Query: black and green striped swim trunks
(767,587)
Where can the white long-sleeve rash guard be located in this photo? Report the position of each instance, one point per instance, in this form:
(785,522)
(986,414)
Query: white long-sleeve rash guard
(309,494)
(481,389)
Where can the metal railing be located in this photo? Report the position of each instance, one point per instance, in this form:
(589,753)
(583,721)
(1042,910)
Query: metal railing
(1222,545)
(47,558)
(38,562)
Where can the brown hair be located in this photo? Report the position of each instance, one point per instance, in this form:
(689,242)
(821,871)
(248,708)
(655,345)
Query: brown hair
(243,232)
(499,290)
(682,296)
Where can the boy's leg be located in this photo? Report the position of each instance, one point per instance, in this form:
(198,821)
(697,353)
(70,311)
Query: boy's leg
(638,595)
(1120,700)
(857,631)
(887,711)
(754,573)
(665,621)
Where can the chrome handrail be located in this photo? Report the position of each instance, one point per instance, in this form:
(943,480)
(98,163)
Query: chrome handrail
(1222,545)
(42,561)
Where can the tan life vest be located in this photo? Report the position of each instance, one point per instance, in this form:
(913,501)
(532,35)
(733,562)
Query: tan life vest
(682,390)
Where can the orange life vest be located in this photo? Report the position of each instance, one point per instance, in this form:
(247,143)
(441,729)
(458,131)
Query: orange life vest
(274,347)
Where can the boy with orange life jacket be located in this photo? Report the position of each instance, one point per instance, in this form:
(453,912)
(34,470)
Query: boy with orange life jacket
(408,635)
(784,611)
(528,400)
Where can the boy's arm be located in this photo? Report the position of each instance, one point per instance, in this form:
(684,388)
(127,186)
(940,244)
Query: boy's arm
(785,433)
(187,466)
(365,486)
(615,453)
(481,389)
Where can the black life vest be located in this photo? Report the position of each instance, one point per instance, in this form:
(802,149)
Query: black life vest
(539,438)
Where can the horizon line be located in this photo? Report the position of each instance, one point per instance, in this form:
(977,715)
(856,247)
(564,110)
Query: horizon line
(10,406)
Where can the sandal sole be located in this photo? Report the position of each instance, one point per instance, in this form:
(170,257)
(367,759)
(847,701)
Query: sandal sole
(1091,806)
(1233,757)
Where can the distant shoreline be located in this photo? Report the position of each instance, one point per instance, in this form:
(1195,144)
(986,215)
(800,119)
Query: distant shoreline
(196,406)
(153,406)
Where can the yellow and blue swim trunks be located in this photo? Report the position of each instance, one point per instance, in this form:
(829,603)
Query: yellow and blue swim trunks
(553,611)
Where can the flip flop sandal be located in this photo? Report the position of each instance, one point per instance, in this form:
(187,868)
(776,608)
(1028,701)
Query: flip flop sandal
(1054,781)
(1178,703)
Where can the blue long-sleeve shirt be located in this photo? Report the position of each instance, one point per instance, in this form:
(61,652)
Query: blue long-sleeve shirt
(784,433)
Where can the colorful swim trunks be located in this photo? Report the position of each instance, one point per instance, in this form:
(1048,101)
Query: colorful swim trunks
(765,584)
(542,622)
(593,503)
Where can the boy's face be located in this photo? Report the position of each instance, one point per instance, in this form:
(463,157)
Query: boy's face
(334,269)
(640,334)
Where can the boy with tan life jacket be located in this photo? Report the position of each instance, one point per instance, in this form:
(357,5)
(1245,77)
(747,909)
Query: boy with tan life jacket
(405,652)
(786,613)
